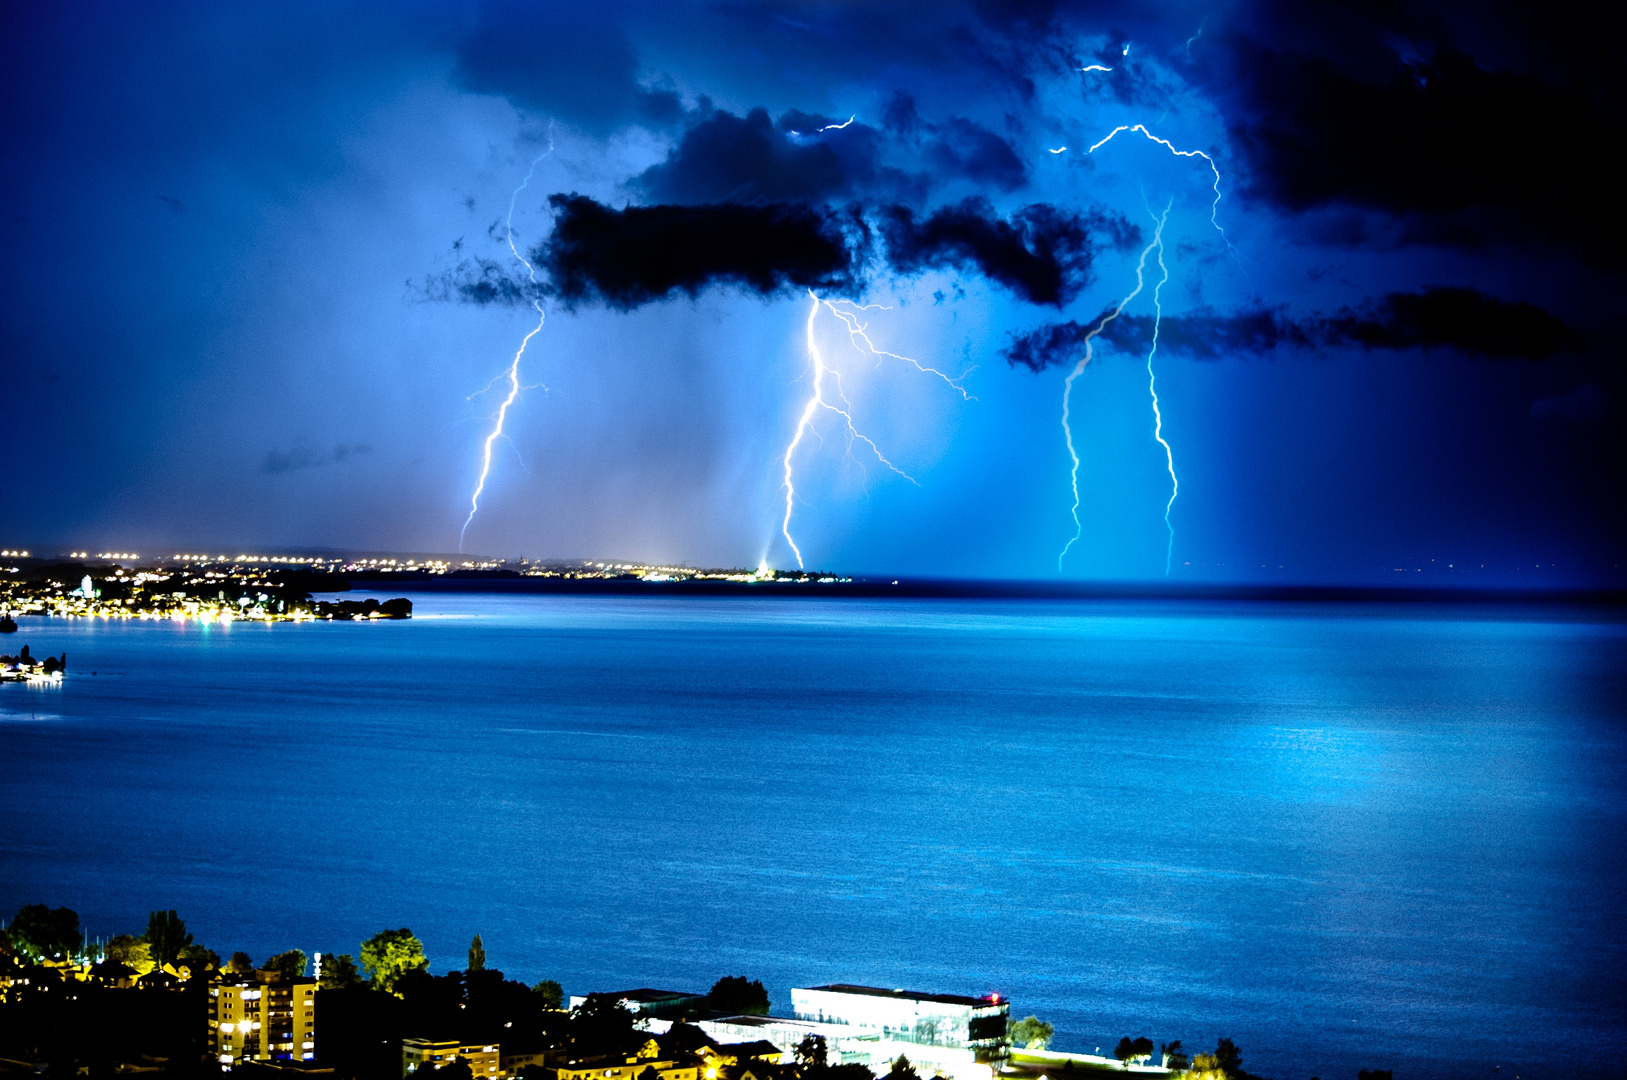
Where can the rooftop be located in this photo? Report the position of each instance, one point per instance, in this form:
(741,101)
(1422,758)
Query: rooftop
(907,995)
(646,996)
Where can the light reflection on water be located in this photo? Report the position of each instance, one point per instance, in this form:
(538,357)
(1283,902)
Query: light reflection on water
(1347,837)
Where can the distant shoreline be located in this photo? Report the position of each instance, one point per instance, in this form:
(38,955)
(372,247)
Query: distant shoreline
(951,589)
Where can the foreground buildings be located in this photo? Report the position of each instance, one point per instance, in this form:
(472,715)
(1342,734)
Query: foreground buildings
(263,1016)
(950,1035)
(159,1018)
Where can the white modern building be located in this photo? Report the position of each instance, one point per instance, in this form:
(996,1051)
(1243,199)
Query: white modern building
(942,1034)
(949,1020)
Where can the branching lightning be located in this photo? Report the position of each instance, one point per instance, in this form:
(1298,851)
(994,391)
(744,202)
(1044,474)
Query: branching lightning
(849,313)
(513,373)
(1157,245)
(1152,384)
(1214,207)
(1079,368)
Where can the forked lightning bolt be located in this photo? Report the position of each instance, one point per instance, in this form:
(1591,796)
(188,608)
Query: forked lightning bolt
(1079,368)
(849,313)
(1214,207)
(513,373)
(1157,298)
(1152,385)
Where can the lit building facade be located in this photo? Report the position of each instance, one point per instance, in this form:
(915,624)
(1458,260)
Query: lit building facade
(483,1059)
(262,1017)
(948,1020)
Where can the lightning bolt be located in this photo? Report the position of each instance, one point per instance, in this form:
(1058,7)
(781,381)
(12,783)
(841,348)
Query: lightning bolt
(1214,207)
(1079,368)
(1195,36)
(1152,379)
(850,314)
(1095,67)
(1152,384)
(513,372)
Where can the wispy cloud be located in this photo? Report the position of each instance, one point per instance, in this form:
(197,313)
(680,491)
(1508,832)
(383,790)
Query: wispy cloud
(305,457)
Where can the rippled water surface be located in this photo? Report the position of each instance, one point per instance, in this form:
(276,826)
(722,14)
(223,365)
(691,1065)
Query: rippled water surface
(1344,836)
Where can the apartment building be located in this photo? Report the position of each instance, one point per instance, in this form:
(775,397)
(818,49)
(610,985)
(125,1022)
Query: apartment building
(483,1059)
(262,1017)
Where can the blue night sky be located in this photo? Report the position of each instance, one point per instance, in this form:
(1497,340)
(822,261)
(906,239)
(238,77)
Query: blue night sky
(258,289)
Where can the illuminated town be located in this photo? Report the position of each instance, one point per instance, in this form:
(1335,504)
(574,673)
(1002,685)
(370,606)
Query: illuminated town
(388,1016)
(221,588)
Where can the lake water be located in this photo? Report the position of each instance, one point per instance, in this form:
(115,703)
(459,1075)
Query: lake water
(1362,836)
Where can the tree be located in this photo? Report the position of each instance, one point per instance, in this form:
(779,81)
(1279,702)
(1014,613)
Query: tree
(290,964)
(602,1025)
(551,994)
(1205,1067)
(902,1070)
(1030,1033)
(40,933)
(200,955)
(477,955)
(132,952)
(1130,1049)
(167,935)
(339,971)
(737,996)
(388,954)
(810,1052)
(1229,1057)
(1174,1058)
(1375,1074)
(240,964)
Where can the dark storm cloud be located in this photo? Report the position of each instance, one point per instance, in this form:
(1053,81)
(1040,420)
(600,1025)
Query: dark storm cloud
(570,61)
(635,256)
(962,148)
(811,158)
(727,158)
(1041,253)
(627,258)
(304,457)
(1383,110)
(1463,320)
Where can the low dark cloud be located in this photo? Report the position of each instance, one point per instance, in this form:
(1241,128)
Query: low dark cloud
(596,254)
(1042,254)
(304,457)
(1454,318)
(567,61)
(1463,320)
(627,258)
